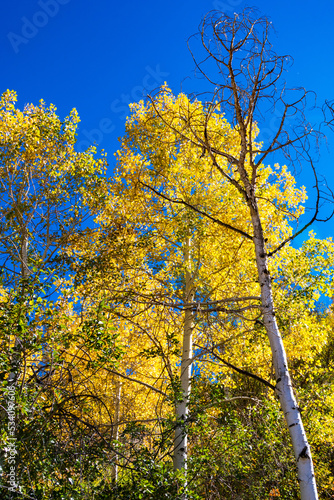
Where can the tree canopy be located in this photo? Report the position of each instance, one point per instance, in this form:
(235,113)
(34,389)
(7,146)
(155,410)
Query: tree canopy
(162,334)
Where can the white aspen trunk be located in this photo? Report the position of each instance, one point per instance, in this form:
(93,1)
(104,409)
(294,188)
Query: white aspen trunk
(115,429)
(15,362)
(24,254)
(284,388)
(180,443)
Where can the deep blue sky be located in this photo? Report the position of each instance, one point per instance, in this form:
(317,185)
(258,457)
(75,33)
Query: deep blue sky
(99,55)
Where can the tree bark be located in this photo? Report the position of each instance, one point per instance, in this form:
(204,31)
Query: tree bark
(284,388)
(17,350)
(180,444)
(115,429)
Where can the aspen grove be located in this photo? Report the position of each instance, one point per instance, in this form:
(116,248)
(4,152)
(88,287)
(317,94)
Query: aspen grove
(163,333)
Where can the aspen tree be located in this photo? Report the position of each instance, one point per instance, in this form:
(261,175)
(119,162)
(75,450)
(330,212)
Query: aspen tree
(181,446)
(194,231)
(247,85)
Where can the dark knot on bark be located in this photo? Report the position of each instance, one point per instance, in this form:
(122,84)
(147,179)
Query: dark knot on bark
(303,453)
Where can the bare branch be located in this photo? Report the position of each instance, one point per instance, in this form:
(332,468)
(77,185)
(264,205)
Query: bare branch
(238,370)
(213,219)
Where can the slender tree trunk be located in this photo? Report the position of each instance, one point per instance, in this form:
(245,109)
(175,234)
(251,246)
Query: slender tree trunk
(115,429)
(180,450)
(16,356)
(284,388)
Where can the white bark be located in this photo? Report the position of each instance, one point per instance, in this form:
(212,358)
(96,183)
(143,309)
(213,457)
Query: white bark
(15,360)
(284,388)
(115,429)
(180,443)
(24,253)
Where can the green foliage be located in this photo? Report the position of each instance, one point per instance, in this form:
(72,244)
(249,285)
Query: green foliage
(82,309)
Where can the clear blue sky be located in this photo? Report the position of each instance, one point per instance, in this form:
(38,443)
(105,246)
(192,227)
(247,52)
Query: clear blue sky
(99,55)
